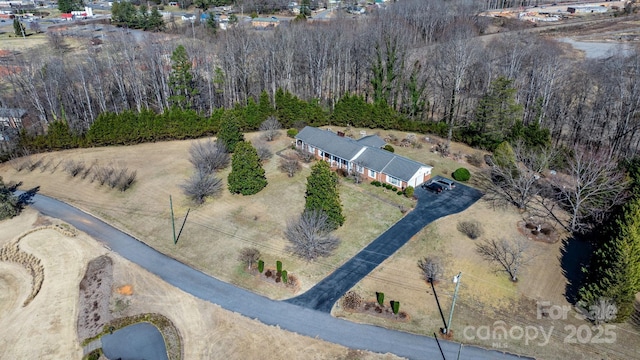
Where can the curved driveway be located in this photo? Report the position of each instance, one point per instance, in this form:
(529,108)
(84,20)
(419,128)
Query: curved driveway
(430,207)
(288,316)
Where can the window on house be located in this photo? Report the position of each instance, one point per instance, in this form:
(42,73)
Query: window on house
(360,169)
(372,174)
(393,181)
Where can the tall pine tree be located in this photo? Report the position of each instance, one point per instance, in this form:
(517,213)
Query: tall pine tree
(247,175)
(322,193)
(614,272)
(181,79)
(496,113)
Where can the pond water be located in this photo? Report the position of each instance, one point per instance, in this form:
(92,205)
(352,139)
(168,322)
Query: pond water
(135,342)
(599,50)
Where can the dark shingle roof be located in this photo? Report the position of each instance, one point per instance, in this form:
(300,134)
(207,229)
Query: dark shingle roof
(372,157)
(371,140)
(343,147)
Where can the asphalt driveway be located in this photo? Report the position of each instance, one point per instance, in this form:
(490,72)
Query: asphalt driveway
(302,320)
(431,206)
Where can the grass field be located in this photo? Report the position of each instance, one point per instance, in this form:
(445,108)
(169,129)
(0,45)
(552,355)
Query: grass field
(46,328)
(216,231)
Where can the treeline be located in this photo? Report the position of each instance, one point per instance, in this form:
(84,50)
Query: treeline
(422,58)
(124,13)
(132,127)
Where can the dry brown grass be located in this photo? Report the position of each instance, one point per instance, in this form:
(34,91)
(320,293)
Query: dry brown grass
(216,231)
(46,328)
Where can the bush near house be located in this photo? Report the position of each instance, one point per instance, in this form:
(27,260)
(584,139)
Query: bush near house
(462,174)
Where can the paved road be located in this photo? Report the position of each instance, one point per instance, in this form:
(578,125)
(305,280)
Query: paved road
(430,207)
(288,316)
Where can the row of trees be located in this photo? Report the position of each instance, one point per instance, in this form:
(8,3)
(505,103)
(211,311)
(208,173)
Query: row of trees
(125,14)
(394,59)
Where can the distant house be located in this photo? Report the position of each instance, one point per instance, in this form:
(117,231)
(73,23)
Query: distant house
(10,126)
(263,23)
(364,156)
(189,17)
(12,118)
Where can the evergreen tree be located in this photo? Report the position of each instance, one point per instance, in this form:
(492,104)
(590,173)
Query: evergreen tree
(322,193)
(9,205)
(211,23)
(67,6)
(247,175)
(229,133)
(614,272)
(155,21)
(496,113)
(18,28)
(264,106)
(181,79)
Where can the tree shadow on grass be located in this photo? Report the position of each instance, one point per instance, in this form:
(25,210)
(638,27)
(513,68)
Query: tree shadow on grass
(575,254)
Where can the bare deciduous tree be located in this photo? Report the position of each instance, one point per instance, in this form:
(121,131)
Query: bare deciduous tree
(305,156)
(289,165)
(249,256)
(201,185)
(595,185)
(270,128)
(73,167)
(516,183)
(264,153)
(511,255)
(432,268)
(208,156)
(310,235)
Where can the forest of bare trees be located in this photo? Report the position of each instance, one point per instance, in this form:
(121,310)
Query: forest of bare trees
(426,59)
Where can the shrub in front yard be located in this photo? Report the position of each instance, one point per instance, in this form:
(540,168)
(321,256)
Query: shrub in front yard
(395,306)
(292,133)
(380,298)
(462,174)
(408,192)
(473,229)
(389,148)
(351,300)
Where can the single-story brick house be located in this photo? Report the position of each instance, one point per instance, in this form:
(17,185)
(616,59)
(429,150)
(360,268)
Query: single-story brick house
(363,155)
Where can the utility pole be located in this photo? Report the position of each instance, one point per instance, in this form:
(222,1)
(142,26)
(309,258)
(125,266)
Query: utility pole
(456,280)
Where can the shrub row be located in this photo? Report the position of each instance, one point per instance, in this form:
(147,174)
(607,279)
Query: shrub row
(133,127)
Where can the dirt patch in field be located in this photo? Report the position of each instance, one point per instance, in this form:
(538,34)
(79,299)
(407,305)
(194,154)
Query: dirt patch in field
(46,329)
(271,276)
(95,291)
(125,290)
(543,232)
